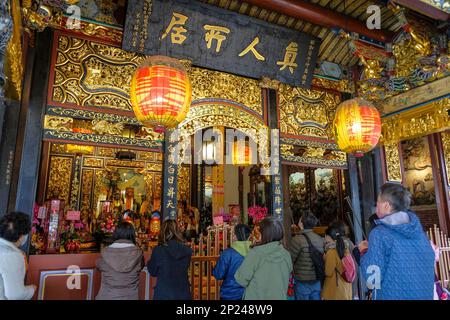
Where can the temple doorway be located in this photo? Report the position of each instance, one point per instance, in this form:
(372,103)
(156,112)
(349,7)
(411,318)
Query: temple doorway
(319,190)
(228,181)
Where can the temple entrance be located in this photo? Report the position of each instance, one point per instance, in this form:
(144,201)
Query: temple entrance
(227,181)
(319,190)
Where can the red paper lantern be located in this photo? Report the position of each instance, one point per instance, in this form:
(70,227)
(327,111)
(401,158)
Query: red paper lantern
(160,92)
(357,126)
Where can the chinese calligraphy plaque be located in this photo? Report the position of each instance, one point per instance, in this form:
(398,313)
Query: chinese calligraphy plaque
(221,40)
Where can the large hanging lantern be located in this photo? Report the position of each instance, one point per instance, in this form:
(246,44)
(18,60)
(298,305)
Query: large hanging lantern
(357,126)
(242,154)
(160,92)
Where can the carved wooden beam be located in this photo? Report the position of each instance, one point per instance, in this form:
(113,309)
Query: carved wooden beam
(322,17)
(424,8)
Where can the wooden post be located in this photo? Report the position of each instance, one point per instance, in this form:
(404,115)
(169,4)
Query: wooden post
(440,181)
(356,204)
(29,159)
(368,192)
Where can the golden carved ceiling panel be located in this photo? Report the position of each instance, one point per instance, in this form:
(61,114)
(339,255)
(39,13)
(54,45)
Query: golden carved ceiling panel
(214,84)
(306,112)
(92,74)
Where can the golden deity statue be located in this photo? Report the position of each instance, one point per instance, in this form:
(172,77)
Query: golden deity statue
(422,44)
(372,68)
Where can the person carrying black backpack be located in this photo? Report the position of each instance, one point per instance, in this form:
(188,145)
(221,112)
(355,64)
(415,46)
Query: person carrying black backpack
(307,249)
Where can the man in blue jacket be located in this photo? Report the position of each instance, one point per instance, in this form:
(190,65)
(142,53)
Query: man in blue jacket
(230,260)
(398,261)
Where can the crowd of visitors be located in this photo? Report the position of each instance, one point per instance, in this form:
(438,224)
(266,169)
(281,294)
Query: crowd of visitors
(397,261)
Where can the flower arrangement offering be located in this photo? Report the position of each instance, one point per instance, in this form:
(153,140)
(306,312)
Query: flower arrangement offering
(37,233)
(108,227)
(257,213)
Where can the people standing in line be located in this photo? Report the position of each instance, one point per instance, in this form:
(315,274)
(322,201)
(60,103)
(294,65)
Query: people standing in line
(14,230)
(121,264)
(170,262)
(266,269)
(335,286)
(229,261)
(398,258)
(307,285)
(352,248)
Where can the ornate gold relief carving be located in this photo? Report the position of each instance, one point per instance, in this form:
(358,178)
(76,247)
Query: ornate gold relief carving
(312,152)
(58,123)
(287,149)
(91,115)
(93,30)
(207,84)
(106,152)
(60,173)
(183,183)
(394,172)
(418,122)
(336,155)
(341,85)
(98,185)
(158,186)
(150,156)
(446,148)
(205,116)
(105,127)
(93,162)
(209,115)
(95,138)
(87,180)
(306,112)
(13,64)
(154,166)
(125,164)
(75,188)
(58,148)
(315,161)
(150,134)
(269,83)
(93,74)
